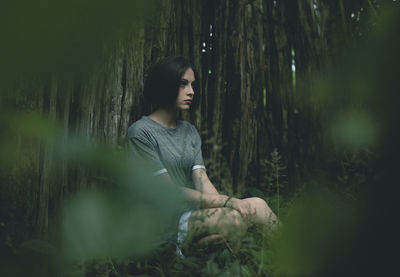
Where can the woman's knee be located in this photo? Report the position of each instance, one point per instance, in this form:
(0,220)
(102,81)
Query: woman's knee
(259,204)
(263,214)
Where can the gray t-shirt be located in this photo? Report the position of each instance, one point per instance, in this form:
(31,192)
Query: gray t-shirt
(173,150)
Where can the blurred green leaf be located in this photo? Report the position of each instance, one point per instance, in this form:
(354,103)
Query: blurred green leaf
(54,37)
(355,130)
(319,227)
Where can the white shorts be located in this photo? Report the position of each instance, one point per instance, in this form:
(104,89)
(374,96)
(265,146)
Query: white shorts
(182,230)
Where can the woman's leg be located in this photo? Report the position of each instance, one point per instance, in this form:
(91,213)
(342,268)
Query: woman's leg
(215,225)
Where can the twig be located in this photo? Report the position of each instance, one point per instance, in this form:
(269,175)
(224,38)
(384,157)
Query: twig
(230,249)
(113,267)
(372,7)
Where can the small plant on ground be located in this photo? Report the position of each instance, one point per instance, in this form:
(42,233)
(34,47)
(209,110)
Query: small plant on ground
(275,178)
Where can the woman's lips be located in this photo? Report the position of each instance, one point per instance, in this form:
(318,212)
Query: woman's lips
(188,101)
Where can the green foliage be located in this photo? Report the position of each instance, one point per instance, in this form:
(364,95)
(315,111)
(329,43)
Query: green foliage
(275,179)
(318,228)
(112,219)
(355,171)
(274,166)
(112,227)
(316,234)
(60,37)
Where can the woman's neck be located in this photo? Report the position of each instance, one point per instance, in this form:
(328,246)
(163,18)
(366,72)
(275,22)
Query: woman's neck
(165,117)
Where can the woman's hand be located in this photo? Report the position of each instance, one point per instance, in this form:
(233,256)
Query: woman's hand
(243,207)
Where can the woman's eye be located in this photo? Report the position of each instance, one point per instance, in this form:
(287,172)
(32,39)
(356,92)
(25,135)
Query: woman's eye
(183,83)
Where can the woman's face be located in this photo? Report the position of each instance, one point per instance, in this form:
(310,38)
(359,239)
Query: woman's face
(186,92)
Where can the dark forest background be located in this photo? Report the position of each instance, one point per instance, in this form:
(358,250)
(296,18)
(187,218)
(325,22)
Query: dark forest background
(292,96)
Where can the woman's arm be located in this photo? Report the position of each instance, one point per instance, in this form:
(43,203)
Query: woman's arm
(202,182)
(204,185)
(199,199)
(210,198)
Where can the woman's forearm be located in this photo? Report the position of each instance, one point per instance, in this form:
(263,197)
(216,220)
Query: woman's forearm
(198,199)
(203,200)
(202,182)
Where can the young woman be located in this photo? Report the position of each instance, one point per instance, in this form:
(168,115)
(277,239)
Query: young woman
(173,149)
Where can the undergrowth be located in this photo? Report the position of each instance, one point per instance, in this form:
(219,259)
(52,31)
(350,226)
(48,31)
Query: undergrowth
(254,258)
(251,260)
(314,225)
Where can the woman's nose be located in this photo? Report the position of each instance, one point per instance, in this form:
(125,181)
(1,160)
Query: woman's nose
(190,90)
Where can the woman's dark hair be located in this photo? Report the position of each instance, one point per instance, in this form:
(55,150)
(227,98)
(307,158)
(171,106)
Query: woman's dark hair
(162,83)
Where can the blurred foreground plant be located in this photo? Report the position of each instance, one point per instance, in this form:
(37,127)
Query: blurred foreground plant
(128,215)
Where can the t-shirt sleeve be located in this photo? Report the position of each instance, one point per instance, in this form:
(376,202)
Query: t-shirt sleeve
(198,157)
(144,152)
